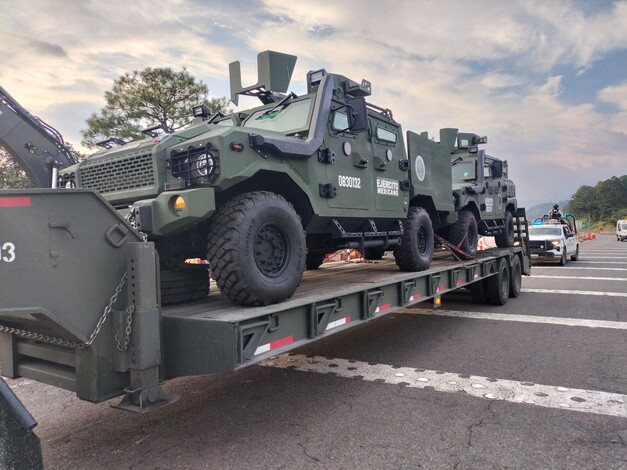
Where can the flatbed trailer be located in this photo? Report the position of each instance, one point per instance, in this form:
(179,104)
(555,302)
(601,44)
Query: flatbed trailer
(80,306)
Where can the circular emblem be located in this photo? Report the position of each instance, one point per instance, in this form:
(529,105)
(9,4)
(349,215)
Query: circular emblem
(419,167)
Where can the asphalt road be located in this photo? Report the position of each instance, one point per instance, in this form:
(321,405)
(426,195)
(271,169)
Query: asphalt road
(537,383)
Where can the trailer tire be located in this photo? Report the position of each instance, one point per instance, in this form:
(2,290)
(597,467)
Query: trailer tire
(478,292)
(505,239)
(416,249)
(183,285)
(515,277)
(373,254)
(256,248)
(314,260)
(464,233)
(497,286)
(575,257)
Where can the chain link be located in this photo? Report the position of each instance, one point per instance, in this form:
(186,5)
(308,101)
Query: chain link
(92,337)
(127,331)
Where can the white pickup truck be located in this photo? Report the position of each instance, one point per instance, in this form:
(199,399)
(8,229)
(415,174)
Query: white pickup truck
(553,242)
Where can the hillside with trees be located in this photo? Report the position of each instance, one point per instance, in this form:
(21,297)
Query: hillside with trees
(606,202)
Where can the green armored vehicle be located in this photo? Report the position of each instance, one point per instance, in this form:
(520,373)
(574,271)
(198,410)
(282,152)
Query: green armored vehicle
(264,193)
(485,197)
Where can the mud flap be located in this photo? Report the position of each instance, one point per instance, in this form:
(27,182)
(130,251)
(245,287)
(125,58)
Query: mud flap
(19,446)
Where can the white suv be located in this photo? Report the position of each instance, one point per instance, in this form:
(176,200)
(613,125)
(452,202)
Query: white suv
(553,242)
(621,230)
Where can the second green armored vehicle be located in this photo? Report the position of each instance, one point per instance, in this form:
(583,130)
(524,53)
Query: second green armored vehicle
(485,197)
(263,193)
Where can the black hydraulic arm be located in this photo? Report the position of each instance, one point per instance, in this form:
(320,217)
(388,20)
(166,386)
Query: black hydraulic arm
(37,147)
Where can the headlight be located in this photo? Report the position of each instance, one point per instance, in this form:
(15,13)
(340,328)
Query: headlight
(556,243)
(195,165)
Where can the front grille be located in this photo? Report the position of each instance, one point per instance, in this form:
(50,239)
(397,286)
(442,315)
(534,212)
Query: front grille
(120,173)
(534,245)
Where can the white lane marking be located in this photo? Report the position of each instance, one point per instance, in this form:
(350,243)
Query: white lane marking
(561,268)
(549,396)
(600,262)
(614,325)
(604,257)
(576,292)
(587,278)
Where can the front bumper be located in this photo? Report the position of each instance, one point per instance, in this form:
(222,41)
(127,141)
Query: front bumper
(158,216)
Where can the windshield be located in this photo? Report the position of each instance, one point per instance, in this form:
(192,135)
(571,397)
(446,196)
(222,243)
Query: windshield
(623,227)
(288,118)
(546,231)
(464,171)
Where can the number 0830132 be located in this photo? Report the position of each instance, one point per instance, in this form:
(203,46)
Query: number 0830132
(7,252)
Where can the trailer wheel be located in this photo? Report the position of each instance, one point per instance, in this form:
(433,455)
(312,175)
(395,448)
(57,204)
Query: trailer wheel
(497,286)
(314,260)
(505,239)
(464,233)
(575,257)
(183,285)
(478,292)
(416,249)
(373,254)
(515,278)
(256,249)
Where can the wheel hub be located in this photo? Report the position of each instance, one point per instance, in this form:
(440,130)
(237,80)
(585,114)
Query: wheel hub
(270,250)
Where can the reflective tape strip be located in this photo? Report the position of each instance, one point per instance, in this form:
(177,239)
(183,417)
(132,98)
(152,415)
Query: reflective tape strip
(336,323)
(382,308)
(415,297)
(274,345)
(18,201)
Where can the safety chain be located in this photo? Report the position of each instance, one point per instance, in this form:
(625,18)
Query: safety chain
(73,344)
(127,331)
(454,249)
(130,218)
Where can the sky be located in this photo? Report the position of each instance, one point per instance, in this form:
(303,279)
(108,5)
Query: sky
(546,81)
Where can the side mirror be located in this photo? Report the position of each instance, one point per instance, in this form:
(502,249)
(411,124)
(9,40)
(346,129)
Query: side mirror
(357,114)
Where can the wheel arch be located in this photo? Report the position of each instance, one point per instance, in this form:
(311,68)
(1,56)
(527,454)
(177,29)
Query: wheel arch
(276,182)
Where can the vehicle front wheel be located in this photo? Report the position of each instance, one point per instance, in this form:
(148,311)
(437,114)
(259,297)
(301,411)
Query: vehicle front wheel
(256,249)
(575,257)
(183,285)
(563,259)
(464,233)
(416,249)
(505,239)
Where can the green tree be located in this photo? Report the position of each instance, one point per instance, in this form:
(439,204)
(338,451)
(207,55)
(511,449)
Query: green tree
(11,175)
(150,97)
(605,202)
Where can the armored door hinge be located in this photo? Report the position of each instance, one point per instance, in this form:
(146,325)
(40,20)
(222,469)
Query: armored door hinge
(328,191)
(403,165)
(404,185)
(326,156)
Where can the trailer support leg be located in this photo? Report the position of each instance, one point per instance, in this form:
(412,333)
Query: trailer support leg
(142,338)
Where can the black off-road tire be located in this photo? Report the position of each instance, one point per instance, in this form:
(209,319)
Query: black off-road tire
(256,249)
(464,233)
(497,286)
(373,254)
(416,249)
(183,285)
(314,260)
(575,257)
(505,239)
(515,277)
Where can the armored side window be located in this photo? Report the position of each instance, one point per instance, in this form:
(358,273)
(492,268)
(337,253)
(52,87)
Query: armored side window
(340,121)
(385,135)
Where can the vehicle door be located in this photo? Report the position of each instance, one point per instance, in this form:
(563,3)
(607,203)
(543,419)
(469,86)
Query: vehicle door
(348,162)
(570,241)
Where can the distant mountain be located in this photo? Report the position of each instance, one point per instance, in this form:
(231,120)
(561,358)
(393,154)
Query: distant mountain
(539,210)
